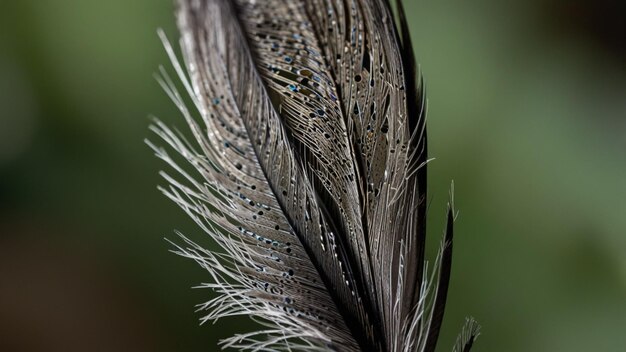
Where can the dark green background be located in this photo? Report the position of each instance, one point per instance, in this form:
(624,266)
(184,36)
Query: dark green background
(527,113)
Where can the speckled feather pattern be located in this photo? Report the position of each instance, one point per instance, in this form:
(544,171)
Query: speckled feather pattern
(307,167)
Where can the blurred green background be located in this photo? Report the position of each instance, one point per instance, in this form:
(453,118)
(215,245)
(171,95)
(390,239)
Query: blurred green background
(527,113)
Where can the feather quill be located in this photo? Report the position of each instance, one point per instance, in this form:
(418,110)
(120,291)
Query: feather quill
(308,168)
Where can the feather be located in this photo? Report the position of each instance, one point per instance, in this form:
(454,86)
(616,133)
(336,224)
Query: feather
(308,168)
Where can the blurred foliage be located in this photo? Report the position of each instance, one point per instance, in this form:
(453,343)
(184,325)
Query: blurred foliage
(527,113)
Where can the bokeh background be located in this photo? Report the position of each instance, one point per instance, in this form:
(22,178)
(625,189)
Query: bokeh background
(527,113)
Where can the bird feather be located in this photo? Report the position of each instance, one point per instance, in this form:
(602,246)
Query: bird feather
(308,168)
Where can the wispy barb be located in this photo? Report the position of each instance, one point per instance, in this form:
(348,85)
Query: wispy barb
(308,168)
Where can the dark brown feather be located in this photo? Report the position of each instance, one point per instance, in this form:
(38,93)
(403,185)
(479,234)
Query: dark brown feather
(308,168)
